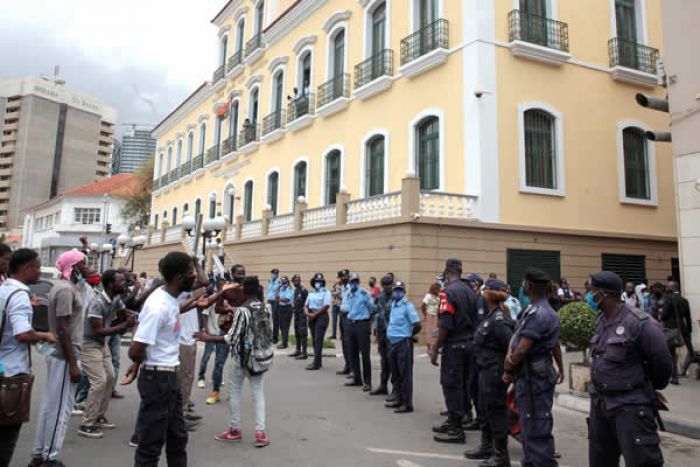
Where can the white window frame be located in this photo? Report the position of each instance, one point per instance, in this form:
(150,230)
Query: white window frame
(169,159)
(178,153)
(330,65)
(225,202)
(279,186)
(413,140)
(651,155)
(369,9)
(560,190)
(202,141)
(249,114)
(641,21)
(279,69)
(159,172)
(190,150)
(414,5)
(293,181)
(86,216)
(300,71)
(252,201)
(552,8)
(240,19)
(255,17)
(383,132)
(325,153)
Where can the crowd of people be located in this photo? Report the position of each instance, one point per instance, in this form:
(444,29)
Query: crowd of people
(486,341)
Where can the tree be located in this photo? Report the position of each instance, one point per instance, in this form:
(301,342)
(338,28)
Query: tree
(137,206)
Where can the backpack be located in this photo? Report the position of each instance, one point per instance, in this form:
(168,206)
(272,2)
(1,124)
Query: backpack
(251,337)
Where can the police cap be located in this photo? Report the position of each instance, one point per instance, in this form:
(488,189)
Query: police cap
(398,285)
(285,279)
(343,273)
(495,284)
(453,264)
(318,277)
(607,281)
(473,277)
(274,271)
(354,277)
(537,276)
(386,281)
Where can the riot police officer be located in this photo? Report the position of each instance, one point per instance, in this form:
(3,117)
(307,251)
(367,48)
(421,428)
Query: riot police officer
(529,360)
(456,325)
(316,308)
(301,332)
(630,361)
(491,342)
(380,317)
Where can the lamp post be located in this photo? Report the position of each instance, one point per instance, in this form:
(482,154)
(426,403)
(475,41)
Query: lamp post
(206,229)
(135,243)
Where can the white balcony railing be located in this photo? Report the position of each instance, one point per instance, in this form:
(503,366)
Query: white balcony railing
(374,208)
(319,218)
(281,224)
(251,229)
(447,205)
(173,233)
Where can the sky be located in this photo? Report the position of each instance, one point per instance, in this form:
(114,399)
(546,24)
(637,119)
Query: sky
(142,57)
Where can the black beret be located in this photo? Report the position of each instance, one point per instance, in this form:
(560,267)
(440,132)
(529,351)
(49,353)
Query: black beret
(386,280)
(495,284)
(537,276)
(453,263)
(607,281)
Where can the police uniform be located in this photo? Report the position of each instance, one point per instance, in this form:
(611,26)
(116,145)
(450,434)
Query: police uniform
(318,299)
(472,395)
(285,309)
(535,382)
(344,274)
(301,332)
(380,316)
(491,342)
(630,360)
(272,286)
(359,304)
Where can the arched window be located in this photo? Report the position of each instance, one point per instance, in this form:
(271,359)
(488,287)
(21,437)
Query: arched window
(299,181)
(218,123)
(174,219)
(185,209)
(233,121)
(230,203)
(636,160)
(338,54)
(278,95)
(273,182)
(304,73)
(540,149)
(169,162)
(332,176)
(428,157)
(212,206)
(427,12)
(197,209)
(240,36)
(202,138)
(178,154)
(223,50)
(190,145)
(374,166)
(378,29)
(165,216)
(248,201)
(259,17)
(155,221)
(254,105)
(160,165)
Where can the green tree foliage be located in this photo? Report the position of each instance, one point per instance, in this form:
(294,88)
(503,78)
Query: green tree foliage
(577,326)
(137,207)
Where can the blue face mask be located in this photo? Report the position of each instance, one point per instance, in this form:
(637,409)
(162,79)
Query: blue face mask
(318,286)
(354,286)
(397,295)
(79,278)
(274,276)
(591,302)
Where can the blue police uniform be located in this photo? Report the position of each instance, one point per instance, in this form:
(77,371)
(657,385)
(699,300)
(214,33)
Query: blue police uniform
(272,286)
(285,310)
(400,335)
(630,360)
(536,379)
(359,304)
(301,332)
(316,300)
(380,320)
(344,343)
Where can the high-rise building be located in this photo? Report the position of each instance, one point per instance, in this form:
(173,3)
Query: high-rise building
(52,139)
(116,156)
(135,148)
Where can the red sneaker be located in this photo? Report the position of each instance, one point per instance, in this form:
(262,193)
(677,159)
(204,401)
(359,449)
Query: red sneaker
(230,435)
(261,439)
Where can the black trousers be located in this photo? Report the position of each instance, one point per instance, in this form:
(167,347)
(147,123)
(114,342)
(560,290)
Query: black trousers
(383,349)
(275,320)
(455,365)
(344,339)
(318,327)
(358,333)
(492,400)
(472,394)
(628,430)
(401,357)
(161,420)
(285,317)
(8,440)
(301,332)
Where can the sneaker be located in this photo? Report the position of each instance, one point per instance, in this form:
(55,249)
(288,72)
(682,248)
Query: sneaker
(230,435)
(90,431)
(76,412)
(103,423)
(200,383)
(213,398)
(134,441)
(261,439)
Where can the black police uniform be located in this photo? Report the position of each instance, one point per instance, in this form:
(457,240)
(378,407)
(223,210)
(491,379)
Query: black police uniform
(472,395)
(381,315)
(301,332)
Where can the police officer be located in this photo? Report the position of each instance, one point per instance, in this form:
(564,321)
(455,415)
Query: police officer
(491,342)
(404,323)
(272,286)
(471,397)
(381,314)
(359,304)
(529,361)
(340,289)
(630,361)
(318,302)
(456,325)
(285,302)
(301,332)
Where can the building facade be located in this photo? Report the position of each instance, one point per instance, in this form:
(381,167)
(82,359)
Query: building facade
(52,139)
(135,148)
(498,116)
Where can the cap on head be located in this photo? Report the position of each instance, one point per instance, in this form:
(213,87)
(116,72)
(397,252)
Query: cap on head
(318,277)
(386,281)
(285,279)
(398,285)
(606,281)
(354,277)
(537,277)
(495,284)
(274,271)
(453,264)
(474,277)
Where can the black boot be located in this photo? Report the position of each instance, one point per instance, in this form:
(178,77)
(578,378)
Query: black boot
(484,450)
(296,353)
(301,356)
(380,391)
(500,456)
(454,434)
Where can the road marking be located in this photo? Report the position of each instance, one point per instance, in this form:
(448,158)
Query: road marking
(430,455)
(407,463)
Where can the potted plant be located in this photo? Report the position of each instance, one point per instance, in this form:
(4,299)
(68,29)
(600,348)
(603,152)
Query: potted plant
(577,328)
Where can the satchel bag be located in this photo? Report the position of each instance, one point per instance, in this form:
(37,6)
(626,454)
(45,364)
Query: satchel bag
(15,391)
(673,337)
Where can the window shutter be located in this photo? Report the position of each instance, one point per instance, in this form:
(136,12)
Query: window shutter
(628,267)
(519,261)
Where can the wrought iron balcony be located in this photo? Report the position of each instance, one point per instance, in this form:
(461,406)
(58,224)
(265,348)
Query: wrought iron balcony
(334,89)
(213,154)
(235,60)
(218,74)
(381,64)
(249,134)
(229,145)
(272,122)
(198,162)
(633,55)
(428,38)
(185,169)
(253,45)
(174,175)
(157,184)
(538,30)
(301,106)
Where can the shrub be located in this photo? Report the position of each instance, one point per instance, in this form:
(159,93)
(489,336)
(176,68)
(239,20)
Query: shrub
(577,326)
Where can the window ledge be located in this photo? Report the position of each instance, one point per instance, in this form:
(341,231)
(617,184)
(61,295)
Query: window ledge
(632,76)
(539,53)
(250,147)
(557,192)
(231,156)
(273,136)
(424,63)
(236,71)
(333,107)
(214,165)
(199,172)
(374,87)
(219,85)
(639,201)
(301,122)
(255,56)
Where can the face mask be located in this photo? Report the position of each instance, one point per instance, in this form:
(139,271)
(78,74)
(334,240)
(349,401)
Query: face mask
(397,295)
(387,290)
(591,302)
(274,276)
(79,277)
(318,286)
(94,281)
(188,283)
(354,286)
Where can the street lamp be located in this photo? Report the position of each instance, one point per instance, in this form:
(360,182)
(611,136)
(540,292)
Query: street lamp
(206,229)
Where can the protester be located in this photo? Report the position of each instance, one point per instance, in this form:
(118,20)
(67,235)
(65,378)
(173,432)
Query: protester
(5,254)
(513,305)
(564,292)
(429,309)
(677,324)
(16,334)
(630,297)
(372,287)
(656,300)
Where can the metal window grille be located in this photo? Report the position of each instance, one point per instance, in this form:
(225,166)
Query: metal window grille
(428,38)
(335,88)
(374,67)
(540,150)
(428,162)
(538,30)
(633,55)
(636,163)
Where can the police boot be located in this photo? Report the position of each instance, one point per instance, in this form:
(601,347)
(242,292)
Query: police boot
(472,425)
(380,391)
(393,396)
(296,353)
(484,450)
(500,456)
(453,434)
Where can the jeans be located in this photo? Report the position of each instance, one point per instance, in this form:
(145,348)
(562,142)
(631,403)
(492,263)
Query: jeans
(81,391)
(8,441)
(318,327)
(161,419)
(209,348)
(336,313)
(222,351)
(115,344)
(236,377)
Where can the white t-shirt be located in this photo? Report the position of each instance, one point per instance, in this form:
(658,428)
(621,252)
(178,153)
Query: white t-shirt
(213,321)
(189,324)
(159,328)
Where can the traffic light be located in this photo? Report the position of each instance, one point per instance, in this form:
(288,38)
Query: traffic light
(108,228)
(656,103)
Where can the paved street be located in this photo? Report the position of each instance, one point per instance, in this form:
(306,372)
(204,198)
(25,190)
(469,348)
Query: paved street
(314,421)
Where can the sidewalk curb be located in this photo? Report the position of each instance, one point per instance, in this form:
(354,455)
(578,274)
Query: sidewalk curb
(674,424)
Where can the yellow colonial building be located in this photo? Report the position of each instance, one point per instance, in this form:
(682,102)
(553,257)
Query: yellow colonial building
(391,134)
